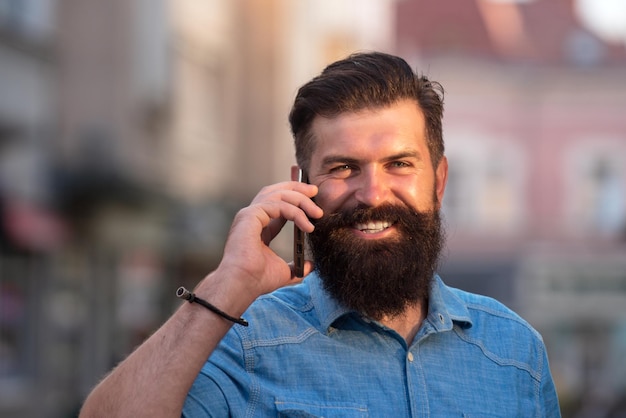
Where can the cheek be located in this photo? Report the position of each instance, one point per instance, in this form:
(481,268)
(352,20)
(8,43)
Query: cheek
(424,198)
(415,192)
(331,195)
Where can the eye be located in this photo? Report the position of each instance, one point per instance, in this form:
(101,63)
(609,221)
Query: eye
(342,167)
(342,171)
(399,164)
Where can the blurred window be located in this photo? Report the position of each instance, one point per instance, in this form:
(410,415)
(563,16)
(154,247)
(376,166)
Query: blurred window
(596,187)
(10,13)
(33,19)
(14,281)
(150,50)
(485,185)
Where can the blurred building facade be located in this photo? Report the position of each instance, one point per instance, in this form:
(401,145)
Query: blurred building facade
(536,199)
(131,132)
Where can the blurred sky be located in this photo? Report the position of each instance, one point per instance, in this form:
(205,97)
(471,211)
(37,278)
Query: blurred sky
(607,18)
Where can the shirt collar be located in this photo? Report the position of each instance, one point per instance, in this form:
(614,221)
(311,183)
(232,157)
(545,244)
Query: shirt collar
(327,307)
(444,307)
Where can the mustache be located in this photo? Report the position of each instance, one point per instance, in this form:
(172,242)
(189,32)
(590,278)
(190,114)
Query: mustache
(394,214)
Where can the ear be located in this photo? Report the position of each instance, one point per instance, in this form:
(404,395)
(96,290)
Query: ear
(441,179)
(294,172)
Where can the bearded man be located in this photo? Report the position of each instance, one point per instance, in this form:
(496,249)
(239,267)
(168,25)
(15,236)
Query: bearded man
(372,330)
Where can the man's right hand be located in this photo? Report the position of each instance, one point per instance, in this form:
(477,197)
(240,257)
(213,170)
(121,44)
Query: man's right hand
(248,258)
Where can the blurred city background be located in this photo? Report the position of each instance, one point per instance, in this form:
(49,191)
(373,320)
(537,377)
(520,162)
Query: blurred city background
(131,131)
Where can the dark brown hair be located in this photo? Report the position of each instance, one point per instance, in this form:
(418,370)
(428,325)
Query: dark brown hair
(365,81)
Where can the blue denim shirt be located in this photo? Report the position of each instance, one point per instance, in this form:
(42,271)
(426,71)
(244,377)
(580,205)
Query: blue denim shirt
(304,355)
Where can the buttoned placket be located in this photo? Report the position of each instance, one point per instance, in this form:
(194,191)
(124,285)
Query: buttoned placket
(416,383)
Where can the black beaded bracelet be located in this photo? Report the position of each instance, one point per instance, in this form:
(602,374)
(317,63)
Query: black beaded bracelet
(183,293)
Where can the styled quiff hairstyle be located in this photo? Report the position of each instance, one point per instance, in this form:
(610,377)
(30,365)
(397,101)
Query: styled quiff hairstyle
(365,81)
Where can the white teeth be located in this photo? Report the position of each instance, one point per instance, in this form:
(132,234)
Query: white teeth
(373,227)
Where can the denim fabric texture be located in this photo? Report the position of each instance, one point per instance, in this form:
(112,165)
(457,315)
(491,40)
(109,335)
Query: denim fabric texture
(303,355)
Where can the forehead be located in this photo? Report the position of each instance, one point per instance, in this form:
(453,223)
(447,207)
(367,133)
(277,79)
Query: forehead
(385,129)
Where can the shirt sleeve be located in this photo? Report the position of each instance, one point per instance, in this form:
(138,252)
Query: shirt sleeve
(548,395)
(205,399)
(221,388)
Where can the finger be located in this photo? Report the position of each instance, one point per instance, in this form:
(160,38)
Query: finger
(306,189)
(272,229)
(291,206)
(292,197)
(308,268)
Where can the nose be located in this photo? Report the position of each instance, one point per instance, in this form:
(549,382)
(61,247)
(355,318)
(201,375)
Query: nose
(372,188)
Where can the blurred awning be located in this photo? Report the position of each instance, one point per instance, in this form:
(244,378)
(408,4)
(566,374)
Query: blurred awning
(30,227)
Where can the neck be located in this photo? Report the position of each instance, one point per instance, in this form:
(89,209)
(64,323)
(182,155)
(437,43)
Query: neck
(409,322)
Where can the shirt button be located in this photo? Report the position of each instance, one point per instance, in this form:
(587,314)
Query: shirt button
(410,357)
(441,318)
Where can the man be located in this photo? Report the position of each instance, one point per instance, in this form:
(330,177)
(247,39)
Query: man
(372,330)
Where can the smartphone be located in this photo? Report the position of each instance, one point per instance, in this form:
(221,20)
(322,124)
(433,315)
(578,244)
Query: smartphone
(299,238)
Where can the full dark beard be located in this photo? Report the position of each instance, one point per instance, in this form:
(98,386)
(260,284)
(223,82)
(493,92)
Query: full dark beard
(378,277)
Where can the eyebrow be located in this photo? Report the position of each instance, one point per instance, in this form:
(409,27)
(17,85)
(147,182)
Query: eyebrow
(334,159)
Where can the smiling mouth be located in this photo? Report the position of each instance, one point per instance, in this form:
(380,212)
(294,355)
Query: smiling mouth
(373,227)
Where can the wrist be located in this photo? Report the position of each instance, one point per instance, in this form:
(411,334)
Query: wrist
(227,289)
(183,293)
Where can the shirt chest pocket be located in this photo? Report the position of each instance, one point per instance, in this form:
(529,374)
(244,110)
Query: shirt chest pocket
(306,409)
